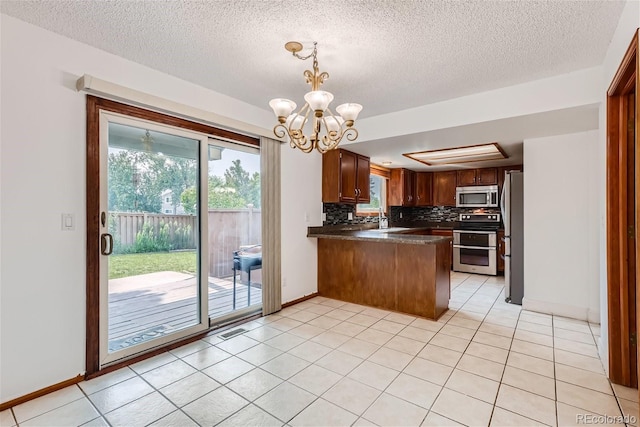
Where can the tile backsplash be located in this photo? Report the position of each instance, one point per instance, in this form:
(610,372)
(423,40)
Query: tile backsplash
(338,214)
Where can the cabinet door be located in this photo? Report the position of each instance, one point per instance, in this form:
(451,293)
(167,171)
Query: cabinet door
(423,188)
(348,184)
(500,250)
(444,188)
(362,180)
(487,176)
(466,177)
(409,185)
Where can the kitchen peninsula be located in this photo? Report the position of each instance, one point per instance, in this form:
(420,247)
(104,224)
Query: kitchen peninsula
(404,270)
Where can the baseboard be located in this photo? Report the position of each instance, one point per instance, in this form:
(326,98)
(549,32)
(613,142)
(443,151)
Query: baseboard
(564,310)
(41,392)
(299,300)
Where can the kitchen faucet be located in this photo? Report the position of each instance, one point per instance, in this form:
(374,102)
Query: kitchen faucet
(383,222)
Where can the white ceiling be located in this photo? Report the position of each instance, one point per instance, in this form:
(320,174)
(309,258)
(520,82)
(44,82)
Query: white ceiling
(388,55)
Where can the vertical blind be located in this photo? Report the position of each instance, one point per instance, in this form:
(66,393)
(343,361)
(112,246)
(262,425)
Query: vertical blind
(271,256)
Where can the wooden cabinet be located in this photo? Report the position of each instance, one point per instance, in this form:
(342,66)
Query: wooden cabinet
(402,187)
(345,177)
(447,233)
(500,250)
(423,188)
(444,188)
(486,176)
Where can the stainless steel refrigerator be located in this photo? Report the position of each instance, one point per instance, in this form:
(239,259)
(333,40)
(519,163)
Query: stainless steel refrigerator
(512,206)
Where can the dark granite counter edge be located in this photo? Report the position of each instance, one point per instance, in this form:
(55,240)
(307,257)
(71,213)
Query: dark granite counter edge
(374,236)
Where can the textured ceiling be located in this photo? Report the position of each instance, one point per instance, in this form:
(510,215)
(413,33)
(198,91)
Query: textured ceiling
(388,55)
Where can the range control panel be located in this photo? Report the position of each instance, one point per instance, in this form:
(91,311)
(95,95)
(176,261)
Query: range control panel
(480,217)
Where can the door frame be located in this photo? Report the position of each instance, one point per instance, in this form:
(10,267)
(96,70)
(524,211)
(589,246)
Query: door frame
(93,172)
(621,288)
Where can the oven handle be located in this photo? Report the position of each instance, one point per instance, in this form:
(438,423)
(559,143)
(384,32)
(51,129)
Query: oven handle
(485,248)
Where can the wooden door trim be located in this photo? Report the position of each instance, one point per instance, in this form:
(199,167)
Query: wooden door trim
(94,106)
(624,82)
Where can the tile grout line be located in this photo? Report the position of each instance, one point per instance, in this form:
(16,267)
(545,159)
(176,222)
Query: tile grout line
(495,402)
(101,415)
(465,350)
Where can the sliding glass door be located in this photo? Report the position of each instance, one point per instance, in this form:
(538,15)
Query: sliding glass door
(234,230)
(180,234)
(153,288)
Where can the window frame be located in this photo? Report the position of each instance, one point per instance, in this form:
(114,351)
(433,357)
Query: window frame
(386,175)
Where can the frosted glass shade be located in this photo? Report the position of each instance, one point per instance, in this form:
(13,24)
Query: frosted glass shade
(349,111)
(318,100)
(282,107)
(295,121)
(333,123)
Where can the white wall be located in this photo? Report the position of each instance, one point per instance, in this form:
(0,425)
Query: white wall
(560,226)
(302,181)
(578,88)
(42,164)
(627,26)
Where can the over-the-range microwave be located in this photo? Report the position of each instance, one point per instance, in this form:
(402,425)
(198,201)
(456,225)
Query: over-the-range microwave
(481,196)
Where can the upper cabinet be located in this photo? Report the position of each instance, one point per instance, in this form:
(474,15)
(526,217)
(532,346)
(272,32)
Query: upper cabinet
(402,187)
(345,177)
(444,188)
(486,176)
(423,188)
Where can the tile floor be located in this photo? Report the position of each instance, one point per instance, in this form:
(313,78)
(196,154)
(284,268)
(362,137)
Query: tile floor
(323,362)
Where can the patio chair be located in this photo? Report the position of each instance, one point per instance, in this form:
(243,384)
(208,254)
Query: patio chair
(245,259)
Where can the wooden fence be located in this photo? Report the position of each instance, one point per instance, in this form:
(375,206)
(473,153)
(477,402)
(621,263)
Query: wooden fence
(127,225)
(228,230)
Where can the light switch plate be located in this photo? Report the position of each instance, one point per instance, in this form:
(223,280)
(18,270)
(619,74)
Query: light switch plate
(350,216)
(68,222)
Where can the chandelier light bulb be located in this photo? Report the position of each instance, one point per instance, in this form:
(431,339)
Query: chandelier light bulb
(349,112)
(318,101)
(295,121)
(333,123)
(282,108)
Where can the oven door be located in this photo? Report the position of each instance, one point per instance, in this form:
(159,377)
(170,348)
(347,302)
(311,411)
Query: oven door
(475,252)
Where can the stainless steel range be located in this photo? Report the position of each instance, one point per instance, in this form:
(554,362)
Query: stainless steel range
(475,243)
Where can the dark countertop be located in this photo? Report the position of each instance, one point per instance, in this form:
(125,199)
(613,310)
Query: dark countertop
(369,234)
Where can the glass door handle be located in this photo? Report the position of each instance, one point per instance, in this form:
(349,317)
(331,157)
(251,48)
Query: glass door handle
(103,244)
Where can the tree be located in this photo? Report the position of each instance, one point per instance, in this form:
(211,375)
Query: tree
(220,197)
(133,182)
(247,186)
(177,175)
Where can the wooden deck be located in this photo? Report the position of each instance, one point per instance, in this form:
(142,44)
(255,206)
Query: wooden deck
(147,306)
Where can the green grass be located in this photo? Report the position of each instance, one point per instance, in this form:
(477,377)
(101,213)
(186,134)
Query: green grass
(134,264)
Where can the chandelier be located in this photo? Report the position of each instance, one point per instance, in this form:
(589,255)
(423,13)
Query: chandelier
(147,140)
(326,129)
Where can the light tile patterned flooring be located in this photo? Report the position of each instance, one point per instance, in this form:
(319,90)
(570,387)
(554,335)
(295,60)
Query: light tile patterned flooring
(323,362)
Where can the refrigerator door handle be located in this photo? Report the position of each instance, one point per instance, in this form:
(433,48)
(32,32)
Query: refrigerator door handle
(502,202)
(507,278)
